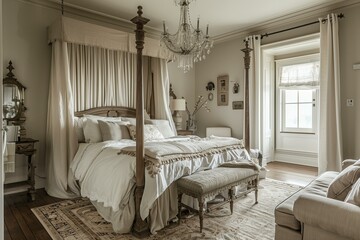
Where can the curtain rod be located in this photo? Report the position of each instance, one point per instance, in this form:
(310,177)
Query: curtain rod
(341,15)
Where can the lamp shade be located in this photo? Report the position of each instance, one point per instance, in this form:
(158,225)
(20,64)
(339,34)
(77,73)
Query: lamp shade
(178,104)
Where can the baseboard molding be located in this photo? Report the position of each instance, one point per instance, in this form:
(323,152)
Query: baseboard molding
(296,157)
(39,183)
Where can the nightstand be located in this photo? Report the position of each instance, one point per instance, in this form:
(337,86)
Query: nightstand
(184,132)
(26,146)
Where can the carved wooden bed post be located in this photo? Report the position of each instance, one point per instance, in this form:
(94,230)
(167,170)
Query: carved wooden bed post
(247,51)
(140,227)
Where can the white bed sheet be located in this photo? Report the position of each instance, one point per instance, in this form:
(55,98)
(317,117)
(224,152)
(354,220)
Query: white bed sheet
(109,179)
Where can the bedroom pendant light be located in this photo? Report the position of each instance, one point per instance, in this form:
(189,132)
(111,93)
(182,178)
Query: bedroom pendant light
(188,44)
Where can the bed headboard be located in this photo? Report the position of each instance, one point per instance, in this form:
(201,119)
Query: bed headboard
(109,112)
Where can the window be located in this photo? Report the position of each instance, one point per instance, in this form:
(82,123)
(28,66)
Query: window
(298,110)
(298,80)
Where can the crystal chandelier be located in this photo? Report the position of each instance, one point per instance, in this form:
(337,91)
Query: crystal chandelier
(187,45)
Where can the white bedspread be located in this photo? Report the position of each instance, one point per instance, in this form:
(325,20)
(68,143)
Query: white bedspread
(109,178)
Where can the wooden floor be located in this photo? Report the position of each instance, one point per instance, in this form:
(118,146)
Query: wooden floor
(21,223)
(291,173)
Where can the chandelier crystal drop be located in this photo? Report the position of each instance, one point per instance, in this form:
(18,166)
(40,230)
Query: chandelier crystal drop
(188,44)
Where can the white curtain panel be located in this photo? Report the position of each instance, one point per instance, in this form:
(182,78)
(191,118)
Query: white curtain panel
(61,139)
(330,135)
(161,91)
(101,77)
(254,92)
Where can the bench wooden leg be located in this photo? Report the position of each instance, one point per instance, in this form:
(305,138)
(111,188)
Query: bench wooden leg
(231,197)
(179,206)
(201,212)
(256,190)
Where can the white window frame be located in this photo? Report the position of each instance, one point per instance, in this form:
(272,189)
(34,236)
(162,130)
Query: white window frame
(315,93)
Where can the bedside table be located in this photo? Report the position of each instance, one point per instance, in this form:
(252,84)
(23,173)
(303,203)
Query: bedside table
(184,132)
(26,146)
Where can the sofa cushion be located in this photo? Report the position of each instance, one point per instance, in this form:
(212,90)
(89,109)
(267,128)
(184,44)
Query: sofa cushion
(354,195)
(341,185)
(284,211)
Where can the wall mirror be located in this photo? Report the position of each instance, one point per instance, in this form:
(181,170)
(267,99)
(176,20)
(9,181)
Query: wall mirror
(13,100)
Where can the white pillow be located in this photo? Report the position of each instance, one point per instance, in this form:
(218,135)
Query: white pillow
(354,195)
(114,130)
(79,123)
(151,132)
(92,131)
(131,120)
(163,126)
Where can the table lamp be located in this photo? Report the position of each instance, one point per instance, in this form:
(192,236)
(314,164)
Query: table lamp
(177,105)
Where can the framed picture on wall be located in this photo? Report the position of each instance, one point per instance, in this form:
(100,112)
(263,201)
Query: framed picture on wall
(237,105)
(223,90)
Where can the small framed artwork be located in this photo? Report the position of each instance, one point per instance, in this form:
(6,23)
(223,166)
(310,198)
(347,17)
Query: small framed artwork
(237,105)
(223,90)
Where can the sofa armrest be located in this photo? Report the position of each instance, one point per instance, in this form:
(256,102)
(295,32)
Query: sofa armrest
(328,214)
(347,162)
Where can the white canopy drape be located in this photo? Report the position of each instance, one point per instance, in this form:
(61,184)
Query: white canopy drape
(330,135)
(74,31)
(92,66)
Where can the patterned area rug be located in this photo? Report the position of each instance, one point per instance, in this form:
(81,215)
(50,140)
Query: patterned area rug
(78,219)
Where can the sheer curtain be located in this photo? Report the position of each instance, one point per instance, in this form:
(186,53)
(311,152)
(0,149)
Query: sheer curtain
(93,66)
(330,137)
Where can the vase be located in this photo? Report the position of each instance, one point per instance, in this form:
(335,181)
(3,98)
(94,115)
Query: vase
(191,125)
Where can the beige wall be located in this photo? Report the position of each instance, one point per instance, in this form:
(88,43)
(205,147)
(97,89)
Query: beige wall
(350,80)
(183,85)
(226,58)
(25,44)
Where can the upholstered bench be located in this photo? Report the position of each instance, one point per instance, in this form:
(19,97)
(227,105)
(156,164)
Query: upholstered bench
(209,183)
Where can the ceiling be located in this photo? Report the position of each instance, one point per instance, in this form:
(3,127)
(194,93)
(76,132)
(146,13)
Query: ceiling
(223,16)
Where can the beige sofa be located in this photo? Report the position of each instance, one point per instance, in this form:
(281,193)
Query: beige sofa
(310,215)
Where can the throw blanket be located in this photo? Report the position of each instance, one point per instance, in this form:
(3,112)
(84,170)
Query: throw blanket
(161,153)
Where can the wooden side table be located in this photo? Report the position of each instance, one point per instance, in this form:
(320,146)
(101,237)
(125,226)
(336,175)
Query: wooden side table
(184,132)
(26,146)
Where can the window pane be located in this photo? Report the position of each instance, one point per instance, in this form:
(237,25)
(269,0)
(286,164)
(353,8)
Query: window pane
(305,115)
(291,115)
(305,96)
(291,96)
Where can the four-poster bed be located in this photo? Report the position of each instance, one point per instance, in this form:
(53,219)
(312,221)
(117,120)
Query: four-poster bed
(128,183)
(140,226)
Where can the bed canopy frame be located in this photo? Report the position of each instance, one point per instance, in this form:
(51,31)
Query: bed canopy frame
(140,227)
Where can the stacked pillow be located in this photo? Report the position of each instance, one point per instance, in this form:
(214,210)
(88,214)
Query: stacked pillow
(346,186)
(151,132)
(93,129)
(163,126)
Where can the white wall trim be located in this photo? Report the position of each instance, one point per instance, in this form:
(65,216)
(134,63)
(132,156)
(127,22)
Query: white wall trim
(297,157)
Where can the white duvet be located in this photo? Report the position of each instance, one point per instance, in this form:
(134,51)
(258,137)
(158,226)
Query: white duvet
(109,178)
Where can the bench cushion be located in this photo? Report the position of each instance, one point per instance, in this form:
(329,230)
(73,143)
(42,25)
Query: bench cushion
(284,211)
(205,182)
